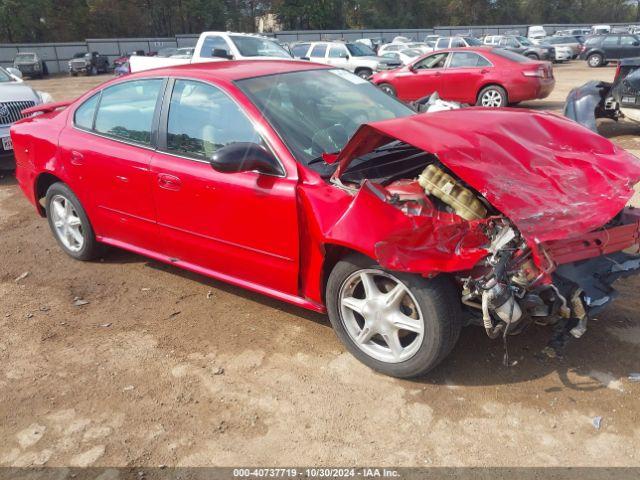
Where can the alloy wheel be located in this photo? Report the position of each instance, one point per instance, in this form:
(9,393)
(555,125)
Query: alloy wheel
(491,98)
(381,315)
(67,223)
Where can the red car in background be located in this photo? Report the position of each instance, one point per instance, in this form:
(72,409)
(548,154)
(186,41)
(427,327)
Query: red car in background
(309,184)
(486,76)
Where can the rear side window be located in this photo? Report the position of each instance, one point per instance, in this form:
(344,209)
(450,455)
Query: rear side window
(318,51)
(83,117)
(203,119)
(337,52)
(442,43)
(592,41)
(467,60)
(610,41)
(126,110)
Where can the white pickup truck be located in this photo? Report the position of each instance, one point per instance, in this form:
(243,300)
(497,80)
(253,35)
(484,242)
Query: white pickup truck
(218,46)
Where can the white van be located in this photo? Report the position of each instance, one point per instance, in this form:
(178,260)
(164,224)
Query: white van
(600,29)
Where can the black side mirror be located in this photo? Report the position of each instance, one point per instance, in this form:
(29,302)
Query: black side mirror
(221,53)
(244,157)
(636,43)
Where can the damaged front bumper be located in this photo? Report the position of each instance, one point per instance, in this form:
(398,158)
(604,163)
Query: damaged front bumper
(524,210)
(589,102)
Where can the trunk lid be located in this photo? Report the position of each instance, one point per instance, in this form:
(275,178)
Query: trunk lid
(553,178)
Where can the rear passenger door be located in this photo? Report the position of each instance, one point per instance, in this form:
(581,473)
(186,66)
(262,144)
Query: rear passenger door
(463,76)
(318,53)
(240,226)
(338,56)
(107,150)
(611,47)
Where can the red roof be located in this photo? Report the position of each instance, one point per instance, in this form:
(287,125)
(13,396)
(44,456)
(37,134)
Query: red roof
(234,70)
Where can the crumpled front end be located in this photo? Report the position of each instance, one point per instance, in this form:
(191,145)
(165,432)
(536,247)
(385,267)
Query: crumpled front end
(525,210)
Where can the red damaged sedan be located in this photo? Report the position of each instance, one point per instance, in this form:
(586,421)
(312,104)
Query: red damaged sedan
(308,184)
(485,76)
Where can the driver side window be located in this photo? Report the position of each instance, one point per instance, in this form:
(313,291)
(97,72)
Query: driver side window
(432,62)
(212,43)
(203,119)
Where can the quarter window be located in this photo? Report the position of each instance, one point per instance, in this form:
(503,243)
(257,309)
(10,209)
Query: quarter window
(83,117)
(126,110)
(203,119)
(442,43)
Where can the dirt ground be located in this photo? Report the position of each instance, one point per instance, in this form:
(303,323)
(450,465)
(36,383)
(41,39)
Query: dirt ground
(164,367)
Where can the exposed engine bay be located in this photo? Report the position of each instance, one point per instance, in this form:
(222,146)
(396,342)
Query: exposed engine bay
(517,281)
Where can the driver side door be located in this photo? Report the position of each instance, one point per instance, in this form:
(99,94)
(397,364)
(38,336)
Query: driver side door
(241,227)
(422,78)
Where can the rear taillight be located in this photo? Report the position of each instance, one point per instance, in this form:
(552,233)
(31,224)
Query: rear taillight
(538,72)
(615,77)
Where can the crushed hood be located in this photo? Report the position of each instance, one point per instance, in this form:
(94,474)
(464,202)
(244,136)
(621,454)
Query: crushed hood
(553,178)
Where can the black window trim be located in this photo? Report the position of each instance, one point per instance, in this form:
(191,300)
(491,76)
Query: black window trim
(154,122)
(163,122)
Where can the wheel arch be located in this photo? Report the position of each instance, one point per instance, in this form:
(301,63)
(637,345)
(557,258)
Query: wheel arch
(42,184)
(333,253)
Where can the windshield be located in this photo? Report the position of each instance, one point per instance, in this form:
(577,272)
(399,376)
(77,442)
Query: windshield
(25,57)
(258,47)
(5,76)
(360,50)
(472,42)
(317,111)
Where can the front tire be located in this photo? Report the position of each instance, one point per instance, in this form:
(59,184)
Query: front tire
(399,324)
(492,96)
(595,60)
(69,223)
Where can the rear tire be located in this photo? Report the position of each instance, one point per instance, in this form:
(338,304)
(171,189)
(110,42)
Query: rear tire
(533,56)
(69,223)
(595,60)
(388,89)
(493,96)
(430,307)
(364,73)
